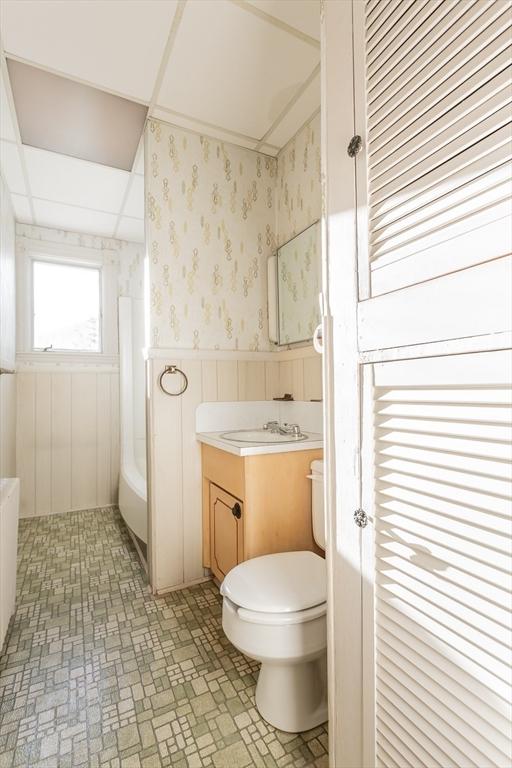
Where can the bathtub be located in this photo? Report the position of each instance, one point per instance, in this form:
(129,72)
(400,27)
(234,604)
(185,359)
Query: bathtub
(132,479)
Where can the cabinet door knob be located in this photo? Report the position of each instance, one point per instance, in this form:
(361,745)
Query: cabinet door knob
(237,511)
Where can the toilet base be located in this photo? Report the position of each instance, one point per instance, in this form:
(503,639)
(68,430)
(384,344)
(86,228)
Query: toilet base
(293,697)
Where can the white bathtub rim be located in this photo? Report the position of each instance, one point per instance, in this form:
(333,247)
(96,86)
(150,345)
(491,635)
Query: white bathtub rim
(133,508)
(133,477)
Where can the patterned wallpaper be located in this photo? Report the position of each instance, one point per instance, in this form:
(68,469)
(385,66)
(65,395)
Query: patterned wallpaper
(131,269)
(211,229)
(213,222)
(299,197)
(130,256)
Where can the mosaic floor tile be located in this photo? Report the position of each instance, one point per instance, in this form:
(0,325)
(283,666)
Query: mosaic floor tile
(96,673)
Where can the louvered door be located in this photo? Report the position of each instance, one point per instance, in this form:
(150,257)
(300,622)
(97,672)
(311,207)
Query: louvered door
(438,101)
(417,321)
(443,470)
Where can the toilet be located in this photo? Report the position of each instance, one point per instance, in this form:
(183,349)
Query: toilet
(274,611)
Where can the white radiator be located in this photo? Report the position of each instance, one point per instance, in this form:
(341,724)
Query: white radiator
(9,504)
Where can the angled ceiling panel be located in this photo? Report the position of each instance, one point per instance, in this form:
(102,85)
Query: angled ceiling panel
(111,44)
(240,75)
(59,216)
(70,118)
(299,114)
(303,15)
(77,182)
(198,126)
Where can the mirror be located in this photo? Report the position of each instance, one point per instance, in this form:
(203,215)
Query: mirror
(298,285)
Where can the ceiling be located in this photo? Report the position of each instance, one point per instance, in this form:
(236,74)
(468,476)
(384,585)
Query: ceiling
(243,71)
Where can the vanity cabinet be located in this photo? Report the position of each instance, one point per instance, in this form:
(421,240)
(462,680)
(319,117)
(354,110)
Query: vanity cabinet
(255,505)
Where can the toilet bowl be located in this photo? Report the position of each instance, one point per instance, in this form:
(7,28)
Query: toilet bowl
(274,611)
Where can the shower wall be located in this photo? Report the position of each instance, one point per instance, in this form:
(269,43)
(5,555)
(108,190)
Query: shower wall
(132,480)
(131,285)
(7,337)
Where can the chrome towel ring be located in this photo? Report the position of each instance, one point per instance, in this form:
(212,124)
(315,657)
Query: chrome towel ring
(172,369)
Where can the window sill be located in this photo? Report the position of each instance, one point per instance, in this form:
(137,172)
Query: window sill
(66,361)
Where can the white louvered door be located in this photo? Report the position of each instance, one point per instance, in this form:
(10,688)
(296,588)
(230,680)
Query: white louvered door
(418,372)
(438,95)
(442,560)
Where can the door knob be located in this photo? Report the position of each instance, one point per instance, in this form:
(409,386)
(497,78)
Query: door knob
(237,511)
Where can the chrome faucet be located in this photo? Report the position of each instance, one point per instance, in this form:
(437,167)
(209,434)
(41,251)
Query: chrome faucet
(286,429)
(290,429)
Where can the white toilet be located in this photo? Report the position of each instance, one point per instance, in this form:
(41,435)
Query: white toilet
(274,611)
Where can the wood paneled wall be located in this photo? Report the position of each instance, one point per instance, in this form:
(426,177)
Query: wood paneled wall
(231,380)
(302,377)
(67,454)
(228,380)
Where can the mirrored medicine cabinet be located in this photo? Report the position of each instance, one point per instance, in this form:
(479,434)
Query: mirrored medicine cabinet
(294,283)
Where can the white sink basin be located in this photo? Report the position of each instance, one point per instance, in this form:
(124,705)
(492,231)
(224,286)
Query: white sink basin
(261,436)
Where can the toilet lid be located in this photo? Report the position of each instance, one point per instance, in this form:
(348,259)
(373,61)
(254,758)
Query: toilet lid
(281,583)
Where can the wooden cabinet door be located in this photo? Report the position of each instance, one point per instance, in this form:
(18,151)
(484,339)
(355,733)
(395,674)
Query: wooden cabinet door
(226,530)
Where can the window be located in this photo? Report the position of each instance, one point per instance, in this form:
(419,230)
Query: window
(67,307)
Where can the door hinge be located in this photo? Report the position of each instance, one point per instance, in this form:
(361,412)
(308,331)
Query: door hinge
(361,518)
(355,146)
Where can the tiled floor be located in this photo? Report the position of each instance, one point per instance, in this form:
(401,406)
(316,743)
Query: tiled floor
(96,672)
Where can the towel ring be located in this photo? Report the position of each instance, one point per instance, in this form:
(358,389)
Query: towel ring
(172,369)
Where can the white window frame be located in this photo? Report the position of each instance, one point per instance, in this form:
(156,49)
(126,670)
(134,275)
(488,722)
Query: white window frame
(30,251)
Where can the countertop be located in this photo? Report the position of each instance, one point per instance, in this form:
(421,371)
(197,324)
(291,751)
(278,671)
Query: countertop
(214,439)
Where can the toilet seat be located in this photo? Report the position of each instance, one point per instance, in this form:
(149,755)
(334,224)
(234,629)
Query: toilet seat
(280,584)
(274,619)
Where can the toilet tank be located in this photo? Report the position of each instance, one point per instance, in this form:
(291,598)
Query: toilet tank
(317,501)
